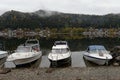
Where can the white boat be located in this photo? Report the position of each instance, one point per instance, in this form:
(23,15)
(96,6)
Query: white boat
(97,54)
(26,53)
(60,53)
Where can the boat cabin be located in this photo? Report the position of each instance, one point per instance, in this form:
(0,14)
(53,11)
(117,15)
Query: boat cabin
(27,48)
(60,49)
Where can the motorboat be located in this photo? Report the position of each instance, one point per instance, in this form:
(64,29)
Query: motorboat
(97,54)
(25,53)
(60,53)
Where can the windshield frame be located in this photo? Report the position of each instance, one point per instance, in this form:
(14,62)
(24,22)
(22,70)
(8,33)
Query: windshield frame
(60,50)
(95,49)
(23,49)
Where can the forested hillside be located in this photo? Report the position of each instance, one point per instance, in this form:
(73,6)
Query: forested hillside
(42,19)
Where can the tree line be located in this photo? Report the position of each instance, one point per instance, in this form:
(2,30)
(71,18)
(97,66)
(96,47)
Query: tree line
(15,19)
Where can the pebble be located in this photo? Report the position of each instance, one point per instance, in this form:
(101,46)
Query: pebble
(86,73)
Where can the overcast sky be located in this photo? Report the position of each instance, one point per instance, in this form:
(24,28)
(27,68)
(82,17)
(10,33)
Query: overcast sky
(98,7)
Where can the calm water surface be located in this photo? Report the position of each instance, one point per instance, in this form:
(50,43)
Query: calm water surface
(74,44)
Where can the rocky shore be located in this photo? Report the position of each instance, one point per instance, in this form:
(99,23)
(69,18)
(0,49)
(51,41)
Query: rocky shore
(88,73)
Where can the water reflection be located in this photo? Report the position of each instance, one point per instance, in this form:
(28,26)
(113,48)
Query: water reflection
(74,44)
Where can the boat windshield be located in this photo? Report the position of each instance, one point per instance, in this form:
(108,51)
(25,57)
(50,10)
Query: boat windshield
(60,43)
(31,42)
(23,49)
(57,51)
(97,49)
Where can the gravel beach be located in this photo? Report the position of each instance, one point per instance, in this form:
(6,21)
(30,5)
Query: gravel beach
(88,73)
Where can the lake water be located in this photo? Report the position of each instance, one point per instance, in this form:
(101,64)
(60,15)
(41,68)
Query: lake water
(77,46)
(74,44)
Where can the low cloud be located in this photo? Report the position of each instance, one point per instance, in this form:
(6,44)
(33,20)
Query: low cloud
(69,6)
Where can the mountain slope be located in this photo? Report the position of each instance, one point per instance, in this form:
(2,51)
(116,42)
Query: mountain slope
(41,19)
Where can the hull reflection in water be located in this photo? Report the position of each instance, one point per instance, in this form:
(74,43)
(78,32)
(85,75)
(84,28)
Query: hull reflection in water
(34,64)
(61,63)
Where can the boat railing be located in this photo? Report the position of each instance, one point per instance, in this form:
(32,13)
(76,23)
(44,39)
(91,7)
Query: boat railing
(32,41)
(60,43)
(60,51)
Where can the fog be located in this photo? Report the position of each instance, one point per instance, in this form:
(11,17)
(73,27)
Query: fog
(98,7)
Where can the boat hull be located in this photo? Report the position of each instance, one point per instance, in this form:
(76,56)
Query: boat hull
(95,60)
(26,60)
(61,61)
